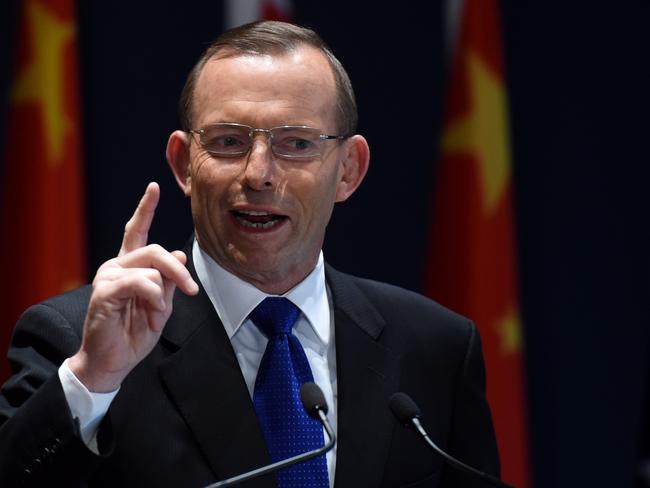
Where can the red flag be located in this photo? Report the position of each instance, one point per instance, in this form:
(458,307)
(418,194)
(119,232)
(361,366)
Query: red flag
(472,264)
(42,245)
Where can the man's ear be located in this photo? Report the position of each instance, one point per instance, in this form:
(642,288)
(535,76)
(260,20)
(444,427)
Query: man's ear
(354,167)
(178,158)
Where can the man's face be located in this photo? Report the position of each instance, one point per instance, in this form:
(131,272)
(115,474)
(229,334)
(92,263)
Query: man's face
(293,199)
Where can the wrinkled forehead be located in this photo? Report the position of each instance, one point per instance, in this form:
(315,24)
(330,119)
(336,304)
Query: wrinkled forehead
(300,77)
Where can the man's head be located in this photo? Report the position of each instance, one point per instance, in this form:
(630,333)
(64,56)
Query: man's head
(260,207)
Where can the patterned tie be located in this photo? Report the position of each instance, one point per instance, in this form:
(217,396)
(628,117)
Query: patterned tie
(287,428)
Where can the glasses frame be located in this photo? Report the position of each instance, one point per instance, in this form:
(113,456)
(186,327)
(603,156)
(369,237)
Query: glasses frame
(253,130)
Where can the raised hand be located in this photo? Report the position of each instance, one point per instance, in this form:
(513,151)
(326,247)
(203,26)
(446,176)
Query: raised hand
(130,303)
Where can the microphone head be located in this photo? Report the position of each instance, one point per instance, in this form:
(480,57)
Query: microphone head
(312,399)
(404,408)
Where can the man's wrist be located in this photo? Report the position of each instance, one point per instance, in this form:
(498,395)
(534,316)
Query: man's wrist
(94,382)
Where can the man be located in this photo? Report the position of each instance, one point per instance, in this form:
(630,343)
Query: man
(156,375)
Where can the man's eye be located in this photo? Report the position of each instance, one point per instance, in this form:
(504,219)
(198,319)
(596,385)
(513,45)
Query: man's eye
(227,142)
(230,141)
(296,144)
(301,144)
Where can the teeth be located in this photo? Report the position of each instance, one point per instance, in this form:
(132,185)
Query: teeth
(259,225)
(258,219)
(253,212)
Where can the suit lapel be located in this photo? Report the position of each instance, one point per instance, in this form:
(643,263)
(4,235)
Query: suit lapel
(204,381)
(367,374)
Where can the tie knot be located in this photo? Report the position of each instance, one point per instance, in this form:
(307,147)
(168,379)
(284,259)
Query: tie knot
(275,316)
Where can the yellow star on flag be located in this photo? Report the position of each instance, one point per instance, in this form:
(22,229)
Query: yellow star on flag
(484,130)
(509,331)
(42,79)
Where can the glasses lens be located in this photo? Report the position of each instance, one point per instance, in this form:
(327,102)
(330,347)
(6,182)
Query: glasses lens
(296,142)
(226,139)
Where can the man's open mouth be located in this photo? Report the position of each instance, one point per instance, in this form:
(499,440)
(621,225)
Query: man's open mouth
(258,219)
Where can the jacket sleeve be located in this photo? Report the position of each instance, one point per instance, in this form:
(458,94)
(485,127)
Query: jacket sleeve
(472,438)
(39,440)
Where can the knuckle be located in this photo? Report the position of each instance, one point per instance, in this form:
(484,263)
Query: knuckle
(157,248)
(101,291)
(106,270)
(128,227)
(155,275)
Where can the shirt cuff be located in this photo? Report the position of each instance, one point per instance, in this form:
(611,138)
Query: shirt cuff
(86,406)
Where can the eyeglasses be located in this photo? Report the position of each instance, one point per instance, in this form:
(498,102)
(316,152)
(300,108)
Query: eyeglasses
(286,141)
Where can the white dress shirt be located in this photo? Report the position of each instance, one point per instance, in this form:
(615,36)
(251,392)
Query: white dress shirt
(233,300)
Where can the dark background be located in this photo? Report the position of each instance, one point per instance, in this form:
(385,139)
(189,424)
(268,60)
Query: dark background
(579,80)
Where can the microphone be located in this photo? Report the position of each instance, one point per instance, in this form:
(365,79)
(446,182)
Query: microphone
(408,413)
(313,401)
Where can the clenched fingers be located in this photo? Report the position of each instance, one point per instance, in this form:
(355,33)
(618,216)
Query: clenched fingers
(171,266)
(146,284)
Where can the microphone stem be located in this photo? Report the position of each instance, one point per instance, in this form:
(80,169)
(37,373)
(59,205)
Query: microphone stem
(306,456)
(322,415)
(455,462)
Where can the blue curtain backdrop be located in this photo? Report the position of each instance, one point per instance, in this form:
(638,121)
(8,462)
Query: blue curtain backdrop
(578,76)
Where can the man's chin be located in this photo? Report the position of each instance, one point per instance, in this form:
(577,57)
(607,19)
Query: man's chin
(279,270)
(261,263)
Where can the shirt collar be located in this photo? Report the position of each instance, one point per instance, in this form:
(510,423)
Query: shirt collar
(234,299)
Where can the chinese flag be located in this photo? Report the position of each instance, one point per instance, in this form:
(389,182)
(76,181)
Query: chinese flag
(42,236)
(472,265)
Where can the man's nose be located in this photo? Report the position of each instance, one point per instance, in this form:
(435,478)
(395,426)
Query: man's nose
(261,168)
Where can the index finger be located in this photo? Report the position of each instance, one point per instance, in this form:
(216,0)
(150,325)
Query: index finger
(136,230)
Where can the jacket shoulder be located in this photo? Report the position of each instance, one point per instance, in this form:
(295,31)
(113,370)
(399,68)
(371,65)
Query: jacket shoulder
(69,308)
(391,300)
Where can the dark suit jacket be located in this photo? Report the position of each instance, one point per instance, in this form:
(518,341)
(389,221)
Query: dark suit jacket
(184,417)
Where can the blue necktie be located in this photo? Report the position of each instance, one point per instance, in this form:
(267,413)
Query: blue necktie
(287,428)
